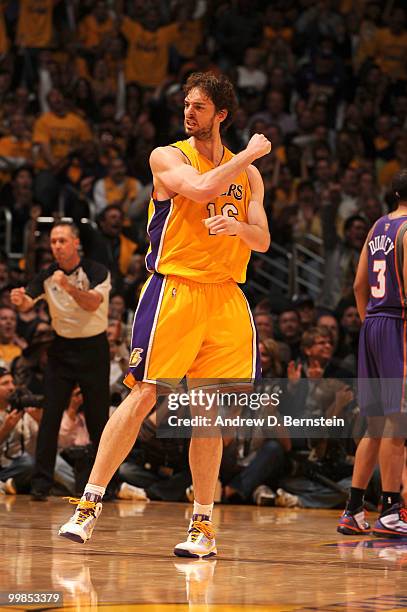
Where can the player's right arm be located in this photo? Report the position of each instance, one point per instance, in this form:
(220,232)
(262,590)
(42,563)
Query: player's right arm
(176,176)
(361,285)
(19,298)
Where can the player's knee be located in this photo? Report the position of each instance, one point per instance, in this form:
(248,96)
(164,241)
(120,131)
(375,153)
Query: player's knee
(143,398)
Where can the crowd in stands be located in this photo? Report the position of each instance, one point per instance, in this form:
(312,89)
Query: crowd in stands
(88,89)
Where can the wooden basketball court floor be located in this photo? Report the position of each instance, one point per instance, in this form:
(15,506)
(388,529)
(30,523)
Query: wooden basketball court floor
(269,559)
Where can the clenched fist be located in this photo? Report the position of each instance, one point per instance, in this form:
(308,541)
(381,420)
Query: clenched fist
(258,146)
(61,279)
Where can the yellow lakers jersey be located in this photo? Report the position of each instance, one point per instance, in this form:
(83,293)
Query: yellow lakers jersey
(182,245)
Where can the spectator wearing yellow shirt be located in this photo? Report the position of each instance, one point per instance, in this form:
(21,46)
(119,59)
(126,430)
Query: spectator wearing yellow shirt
(15,149)
(366,35)
(389,46)
(10,345)
(34,26)
(34,32)
(58,134)
(148,48)
(190,32)
(117,188)
(96,28)
(103,84)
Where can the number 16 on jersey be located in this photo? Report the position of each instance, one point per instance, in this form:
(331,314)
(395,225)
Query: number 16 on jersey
(227,210)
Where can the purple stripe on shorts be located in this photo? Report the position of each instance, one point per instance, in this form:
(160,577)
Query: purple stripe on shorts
(143,326)
(258,374)
(155,230)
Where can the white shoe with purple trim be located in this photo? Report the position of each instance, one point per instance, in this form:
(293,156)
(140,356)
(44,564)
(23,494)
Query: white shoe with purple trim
(200,543)
(80,526)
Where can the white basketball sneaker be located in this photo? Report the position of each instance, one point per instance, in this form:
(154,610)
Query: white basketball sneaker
(392,523)
(80,526)
(200,543)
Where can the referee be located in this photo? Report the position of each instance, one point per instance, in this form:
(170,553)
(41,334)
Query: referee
(77,293)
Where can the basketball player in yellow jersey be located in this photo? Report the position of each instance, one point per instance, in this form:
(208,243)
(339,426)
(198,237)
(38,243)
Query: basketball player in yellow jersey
(206,215)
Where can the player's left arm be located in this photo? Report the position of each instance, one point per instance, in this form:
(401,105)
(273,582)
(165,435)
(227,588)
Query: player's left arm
(255,233)
(361,285)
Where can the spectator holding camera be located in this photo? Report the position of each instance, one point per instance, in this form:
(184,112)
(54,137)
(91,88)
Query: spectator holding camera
(77,293)
(18,430)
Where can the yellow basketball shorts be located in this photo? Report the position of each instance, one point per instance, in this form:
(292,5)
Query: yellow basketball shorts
(199,330)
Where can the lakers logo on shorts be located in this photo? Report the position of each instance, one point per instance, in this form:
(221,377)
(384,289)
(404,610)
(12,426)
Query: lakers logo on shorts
(135,357)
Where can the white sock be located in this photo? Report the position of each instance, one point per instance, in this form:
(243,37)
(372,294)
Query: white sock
(94,490)
(203,509)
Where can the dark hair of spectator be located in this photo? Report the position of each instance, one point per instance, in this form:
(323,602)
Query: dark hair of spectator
(72,226)
(343,305)
(310,335)
(264,306)
(399,185)
(219,90)
(102,214)
(289,308)
(351,220)
(18,171)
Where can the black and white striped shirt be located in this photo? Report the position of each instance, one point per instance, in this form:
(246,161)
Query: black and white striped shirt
(68,318)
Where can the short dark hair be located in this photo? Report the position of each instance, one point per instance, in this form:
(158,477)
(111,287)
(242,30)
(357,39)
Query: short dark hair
(309,336)
(289,308)
(106,209)
(74,228)
(219,90)
(399,185)
(351,220)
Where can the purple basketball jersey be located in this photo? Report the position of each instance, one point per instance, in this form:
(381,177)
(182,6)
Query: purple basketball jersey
(385,267)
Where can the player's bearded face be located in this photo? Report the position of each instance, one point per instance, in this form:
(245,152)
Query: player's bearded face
(199,131)
(199,115)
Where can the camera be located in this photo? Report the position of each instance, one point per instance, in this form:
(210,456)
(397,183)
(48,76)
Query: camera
(23,398)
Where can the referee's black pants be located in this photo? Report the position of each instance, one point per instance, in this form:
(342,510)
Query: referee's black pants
(82,361)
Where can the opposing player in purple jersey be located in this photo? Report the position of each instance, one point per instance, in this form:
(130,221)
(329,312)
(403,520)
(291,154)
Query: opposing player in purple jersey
(381,295)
